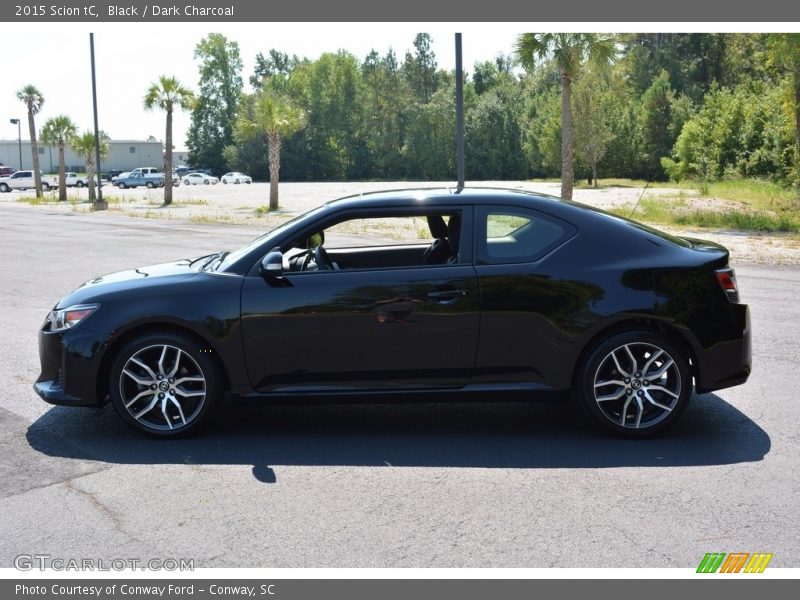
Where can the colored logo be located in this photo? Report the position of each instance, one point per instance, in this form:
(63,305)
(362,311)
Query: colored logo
(735,562)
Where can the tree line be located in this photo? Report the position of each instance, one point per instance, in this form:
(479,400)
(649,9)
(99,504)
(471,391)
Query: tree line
(646,106)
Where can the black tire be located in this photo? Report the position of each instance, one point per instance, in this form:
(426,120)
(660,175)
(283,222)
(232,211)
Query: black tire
(150,185)
(671,391)
(45,187)
(121,186)
(186,182)
(79,184)
(4,188)
(206,181)
(191,364)
(236,182)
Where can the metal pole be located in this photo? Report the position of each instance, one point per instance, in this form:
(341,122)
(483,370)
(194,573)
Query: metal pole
(99,203)
(18,123)
(459,116)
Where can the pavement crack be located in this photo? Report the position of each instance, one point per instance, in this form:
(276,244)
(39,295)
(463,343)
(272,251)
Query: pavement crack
(103,508)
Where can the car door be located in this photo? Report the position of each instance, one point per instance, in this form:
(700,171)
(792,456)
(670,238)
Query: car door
(528,307)
(362,329)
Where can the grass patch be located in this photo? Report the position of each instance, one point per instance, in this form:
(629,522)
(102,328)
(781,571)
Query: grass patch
(679,212)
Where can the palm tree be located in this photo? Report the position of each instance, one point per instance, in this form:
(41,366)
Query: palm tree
(59,131)
(570,51)
(784,49)
(167,94)
(84,146)
(33,100)
(274,115)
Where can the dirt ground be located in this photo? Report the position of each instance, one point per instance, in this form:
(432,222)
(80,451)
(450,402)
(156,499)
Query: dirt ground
(246,205)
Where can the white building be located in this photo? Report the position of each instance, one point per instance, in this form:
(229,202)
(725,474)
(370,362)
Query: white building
(123,155)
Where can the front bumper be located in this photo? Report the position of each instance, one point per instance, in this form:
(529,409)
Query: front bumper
(70,362)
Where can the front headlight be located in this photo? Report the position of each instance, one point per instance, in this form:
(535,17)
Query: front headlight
(66,318)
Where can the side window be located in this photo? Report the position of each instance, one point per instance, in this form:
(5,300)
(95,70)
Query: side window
(508,234)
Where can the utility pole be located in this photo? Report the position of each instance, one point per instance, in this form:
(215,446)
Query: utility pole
(99,203)
(19,139)
(459,116)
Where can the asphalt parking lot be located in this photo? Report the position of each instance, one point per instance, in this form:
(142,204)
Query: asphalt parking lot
(492,485)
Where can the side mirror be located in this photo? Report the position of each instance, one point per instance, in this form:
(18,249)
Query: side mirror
(272,263)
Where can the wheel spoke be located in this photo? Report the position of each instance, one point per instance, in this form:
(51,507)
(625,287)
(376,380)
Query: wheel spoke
(180,409)
(639,412)
(661,388)
(614,396)
(164,412)
(189,394)
(161,360)
(184,379)
(633,359)
(651,360)
(144,366)
(658,404)
(661,370)
(136,378)
(609,382)
(177,363)
(625,410)
(619,367)
(146,409)
(138,396)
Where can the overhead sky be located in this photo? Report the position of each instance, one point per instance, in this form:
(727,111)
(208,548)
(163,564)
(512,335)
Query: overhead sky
(129,57)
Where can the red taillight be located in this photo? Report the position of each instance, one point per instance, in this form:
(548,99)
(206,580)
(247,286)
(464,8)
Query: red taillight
(727,279)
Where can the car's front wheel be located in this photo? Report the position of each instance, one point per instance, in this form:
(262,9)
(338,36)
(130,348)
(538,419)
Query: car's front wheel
(4,188)
(635,383)
(163,384)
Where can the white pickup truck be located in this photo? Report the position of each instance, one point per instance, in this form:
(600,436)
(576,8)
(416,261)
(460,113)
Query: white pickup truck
(24,180)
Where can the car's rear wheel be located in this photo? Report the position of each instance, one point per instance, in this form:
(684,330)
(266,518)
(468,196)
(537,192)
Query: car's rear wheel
(150,185)
(46,187)
(4,188)
(164,385)
(635,383)
(206,182)
(121,186)
(186,182)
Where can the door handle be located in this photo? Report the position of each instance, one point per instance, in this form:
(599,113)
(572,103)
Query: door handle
(447,296)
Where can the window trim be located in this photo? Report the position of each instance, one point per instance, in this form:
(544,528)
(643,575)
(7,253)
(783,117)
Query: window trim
(480,233)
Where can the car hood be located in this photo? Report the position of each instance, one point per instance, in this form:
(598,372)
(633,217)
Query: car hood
(145,280)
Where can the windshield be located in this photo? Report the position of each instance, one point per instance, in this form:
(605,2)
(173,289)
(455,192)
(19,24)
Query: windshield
(233,257)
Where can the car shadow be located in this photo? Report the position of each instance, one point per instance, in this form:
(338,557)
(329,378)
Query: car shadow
(485,435)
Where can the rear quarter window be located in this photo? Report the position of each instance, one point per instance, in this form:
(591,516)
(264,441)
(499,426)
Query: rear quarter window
(508,234)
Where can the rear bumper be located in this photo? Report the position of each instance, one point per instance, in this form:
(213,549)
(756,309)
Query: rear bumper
(727,361)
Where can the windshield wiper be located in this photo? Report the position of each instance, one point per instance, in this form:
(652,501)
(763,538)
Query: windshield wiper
(194,260)
(214,258)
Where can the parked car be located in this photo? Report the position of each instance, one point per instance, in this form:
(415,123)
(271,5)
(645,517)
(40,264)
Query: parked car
(142,170)
(199,179)
(110,175)
(24,180)
(150,180)
(6,171)
(236,177)
(513,295)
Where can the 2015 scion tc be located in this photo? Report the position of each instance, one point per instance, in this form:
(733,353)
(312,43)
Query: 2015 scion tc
(500,291)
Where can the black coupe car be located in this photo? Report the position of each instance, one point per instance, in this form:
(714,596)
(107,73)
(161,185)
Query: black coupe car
(416,295)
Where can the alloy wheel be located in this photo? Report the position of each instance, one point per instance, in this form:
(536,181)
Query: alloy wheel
(162,387)
(637,385)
